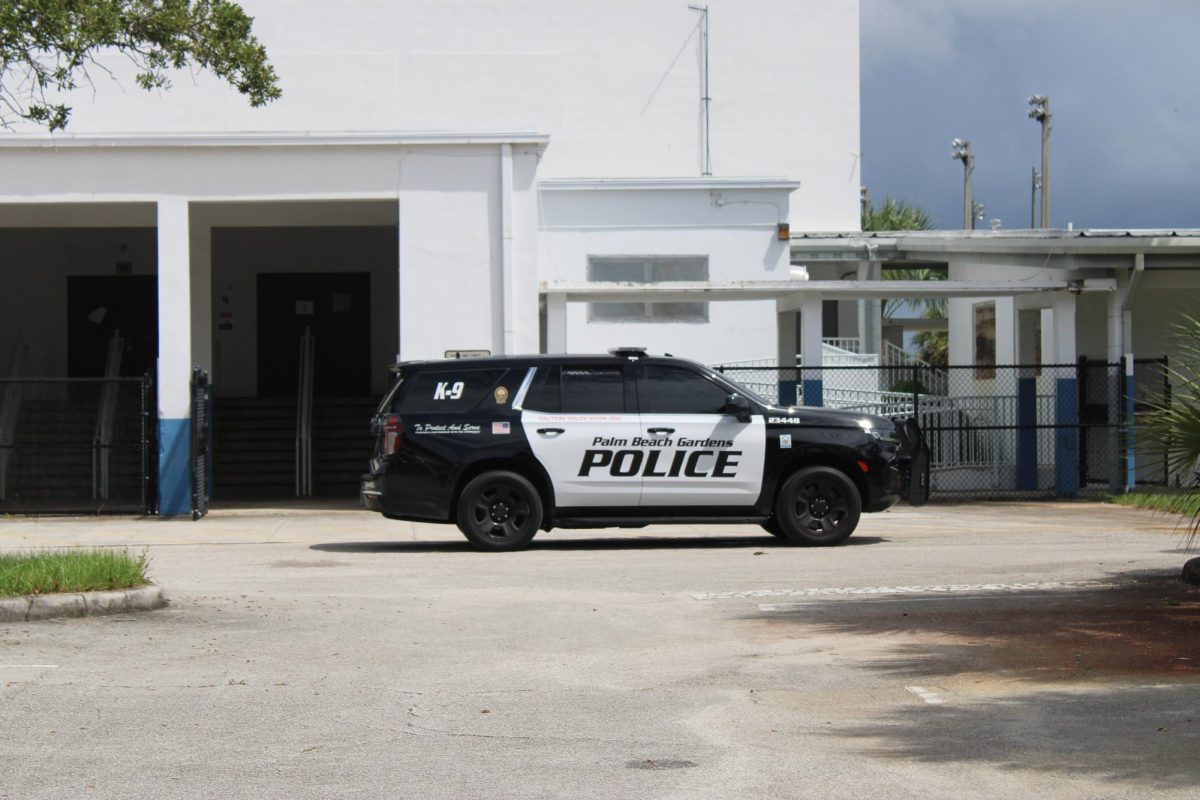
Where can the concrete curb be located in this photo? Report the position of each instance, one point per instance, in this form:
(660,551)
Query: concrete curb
(30,608)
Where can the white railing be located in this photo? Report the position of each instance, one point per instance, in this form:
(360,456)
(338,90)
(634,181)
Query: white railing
(851,344)
(304,401)
(106,417)
(10,408)
(934,379)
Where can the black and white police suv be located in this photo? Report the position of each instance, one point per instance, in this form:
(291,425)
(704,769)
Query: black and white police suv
(507,446)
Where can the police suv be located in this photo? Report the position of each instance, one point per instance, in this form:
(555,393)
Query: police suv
(507,446)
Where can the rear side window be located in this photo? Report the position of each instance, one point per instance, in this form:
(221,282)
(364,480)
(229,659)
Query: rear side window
(578,389)
(675,390)
(449,391)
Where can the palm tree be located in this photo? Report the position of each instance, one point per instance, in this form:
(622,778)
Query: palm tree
(1174,427)
(896,215)
(901,215)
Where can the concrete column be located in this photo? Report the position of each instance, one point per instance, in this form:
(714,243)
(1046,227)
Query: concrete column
(556,323)
(1027,324)
(1007,334)
(174,358)
(870,312)
(507,278)
(787,347)
(811,349)
(202,294)
(1066,398)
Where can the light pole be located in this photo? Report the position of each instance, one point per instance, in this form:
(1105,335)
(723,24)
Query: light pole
(1033,190)
(1040,110)
(962,151)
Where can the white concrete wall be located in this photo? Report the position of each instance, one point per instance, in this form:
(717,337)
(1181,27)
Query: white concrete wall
(34,266)
(738,237)
(614,82)
(450,252)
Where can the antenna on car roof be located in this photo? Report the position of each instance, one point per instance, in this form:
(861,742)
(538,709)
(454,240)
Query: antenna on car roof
(628,352)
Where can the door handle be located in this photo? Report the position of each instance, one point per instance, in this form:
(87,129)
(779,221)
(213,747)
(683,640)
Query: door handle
(663,431)
(550,431)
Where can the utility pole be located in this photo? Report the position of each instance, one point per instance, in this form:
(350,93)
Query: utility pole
(962,152)
(1040,111)
(1033,192)
(705,100)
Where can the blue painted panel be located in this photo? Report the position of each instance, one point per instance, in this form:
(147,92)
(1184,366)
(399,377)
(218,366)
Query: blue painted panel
(787,393)
(1130,459)
(1066,438)
(814,392)
(174,467)
(1027,435)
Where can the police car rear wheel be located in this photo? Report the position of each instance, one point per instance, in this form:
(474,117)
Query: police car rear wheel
(499,511)
(818,506)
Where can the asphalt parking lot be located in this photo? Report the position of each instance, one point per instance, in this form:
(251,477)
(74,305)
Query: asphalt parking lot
(1005,650)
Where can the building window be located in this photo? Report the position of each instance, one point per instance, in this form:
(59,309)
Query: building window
(647,269)
(985,340)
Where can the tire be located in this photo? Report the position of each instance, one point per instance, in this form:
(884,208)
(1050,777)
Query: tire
(499,511)
(818,506)
(772,527)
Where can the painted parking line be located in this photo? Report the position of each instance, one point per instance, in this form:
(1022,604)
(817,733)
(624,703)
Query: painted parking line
(929,697)
(951,588)
(28,666)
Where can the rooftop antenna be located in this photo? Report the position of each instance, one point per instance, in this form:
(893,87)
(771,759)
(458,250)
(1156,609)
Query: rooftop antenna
(705,100)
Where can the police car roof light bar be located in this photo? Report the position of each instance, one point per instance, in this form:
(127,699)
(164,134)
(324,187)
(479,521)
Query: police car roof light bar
(628,352)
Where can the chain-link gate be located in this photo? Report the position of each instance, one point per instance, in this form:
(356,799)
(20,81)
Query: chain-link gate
(201,443)
(76,445)
(992,431)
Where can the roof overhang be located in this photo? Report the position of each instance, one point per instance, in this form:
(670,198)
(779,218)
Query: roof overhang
(269,139)
(885,245)
(706,183)
(685,291)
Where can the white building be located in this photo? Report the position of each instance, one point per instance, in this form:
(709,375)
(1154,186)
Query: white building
(436,177)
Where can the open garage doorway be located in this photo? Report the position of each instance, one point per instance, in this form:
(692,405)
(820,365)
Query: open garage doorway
(103,307)
(278,269)
(334,307)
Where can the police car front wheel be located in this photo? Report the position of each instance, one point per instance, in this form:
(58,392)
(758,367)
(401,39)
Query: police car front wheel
(499,511)
(818,506)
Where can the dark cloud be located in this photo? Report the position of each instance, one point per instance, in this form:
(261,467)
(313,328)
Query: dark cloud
(1123,85)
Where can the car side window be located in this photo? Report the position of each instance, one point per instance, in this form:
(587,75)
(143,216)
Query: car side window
(579,389)
(544,393)
(447,391)
(675,390)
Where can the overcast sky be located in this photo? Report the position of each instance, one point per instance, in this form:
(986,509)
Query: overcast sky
(1123,78)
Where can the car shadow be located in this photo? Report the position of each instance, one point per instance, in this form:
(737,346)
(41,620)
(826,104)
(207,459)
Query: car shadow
(590,543)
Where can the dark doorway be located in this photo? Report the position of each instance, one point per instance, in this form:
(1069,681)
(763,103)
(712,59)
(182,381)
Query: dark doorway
(100,305)
(336,307)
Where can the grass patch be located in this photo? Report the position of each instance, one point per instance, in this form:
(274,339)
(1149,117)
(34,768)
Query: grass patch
(1171,502)
(82,570)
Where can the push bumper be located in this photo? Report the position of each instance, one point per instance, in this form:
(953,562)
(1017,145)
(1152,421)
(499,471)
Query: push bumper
(916,471)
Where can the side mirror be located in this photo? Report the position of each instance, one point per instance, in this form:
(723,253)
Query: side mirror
(737,406)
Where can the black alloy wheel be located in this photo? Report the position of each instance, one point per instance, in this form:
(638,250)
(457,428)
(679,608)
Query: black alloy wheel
(818,506)
(499,511)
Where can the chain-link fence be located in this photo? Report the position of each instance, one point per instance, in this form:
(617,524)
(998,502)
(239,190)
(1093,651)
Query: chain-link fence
(76,445)
(993,431)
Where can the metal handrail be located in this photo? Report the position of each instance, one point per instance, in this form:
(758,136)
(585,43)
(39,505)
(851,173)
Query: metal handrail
(10,408)
(106,418)
(304,394)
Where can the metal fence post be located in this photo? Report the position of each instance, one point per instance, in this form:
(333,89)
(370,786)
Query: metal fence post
(916,388)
